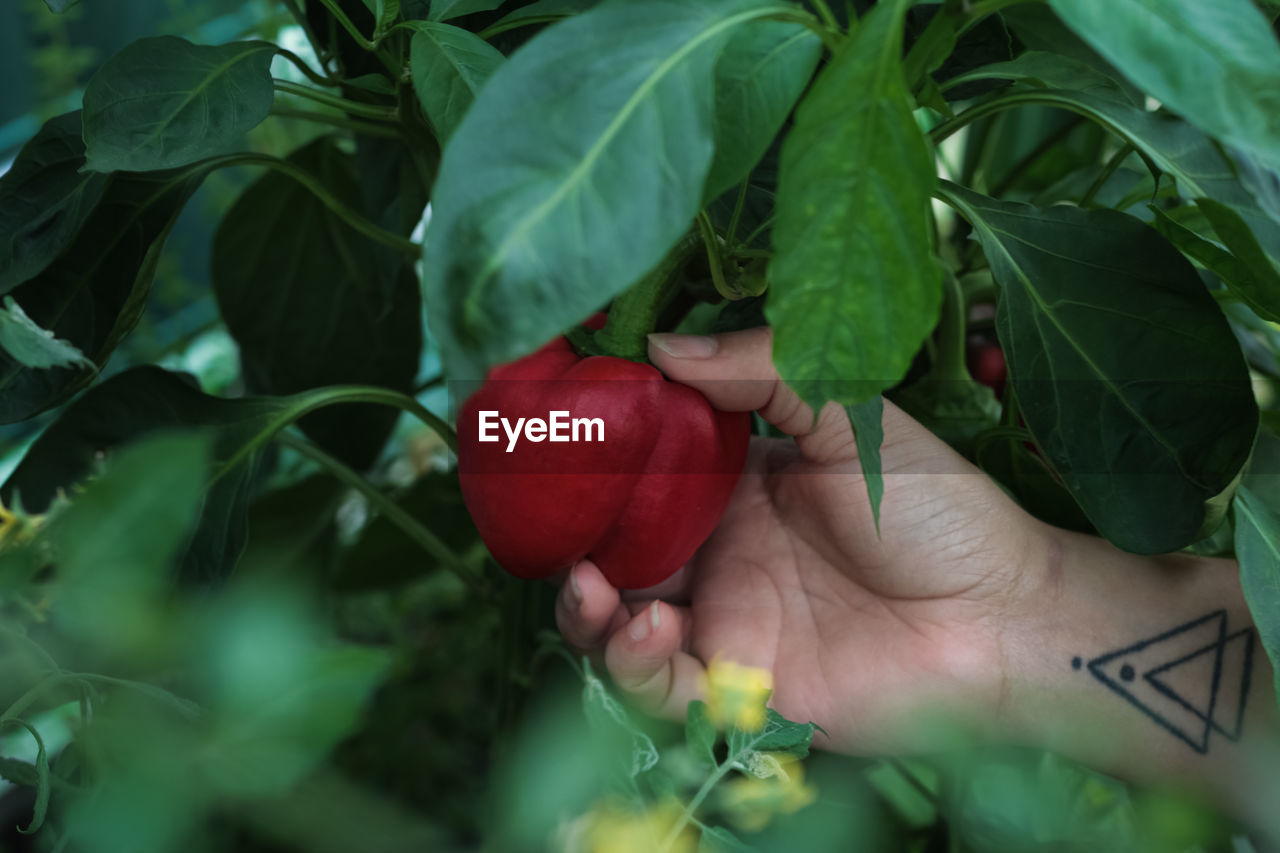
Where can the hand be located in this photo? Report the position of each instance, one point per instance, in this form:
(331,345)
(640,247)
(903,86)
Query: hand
(860,631)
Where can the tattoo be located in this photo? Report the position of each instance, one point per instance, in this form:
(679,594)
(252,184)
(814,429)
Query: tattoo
(1192,680)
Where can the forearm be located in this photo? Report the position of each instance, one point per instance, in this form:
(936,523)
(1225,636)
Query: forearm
(1147,668)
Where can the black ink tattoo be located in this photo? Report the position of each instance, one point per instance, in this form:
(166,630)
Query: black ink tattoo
(1192,680)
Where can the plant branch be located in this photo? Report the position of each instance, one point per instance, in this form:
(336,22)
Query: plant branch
(712,242)
(301,18)
(392,511)
(634,313)
(1020,168)
(354,107)
(738,205)
(310,73)
(1105,175)
(366,128)
(341,17)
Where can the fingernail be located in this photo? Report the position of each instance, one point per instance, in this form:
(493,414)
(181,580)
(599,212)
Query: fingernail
(685,346)
(575,591)
(641,626)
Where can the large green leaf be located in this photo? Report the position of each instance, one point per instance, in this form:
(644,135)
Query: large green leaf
(165,102)
(45,200)
(93,294)
(145,400)
(855,286)
(1216,64)
(449,66)
(532,231)
(1258,550)
(299,290)
(1099,314)
(763,70)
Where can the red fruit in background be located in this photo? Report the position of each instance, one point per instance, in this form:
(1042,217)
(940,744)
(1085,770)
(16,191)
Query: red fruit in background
(985,362)
(638,503)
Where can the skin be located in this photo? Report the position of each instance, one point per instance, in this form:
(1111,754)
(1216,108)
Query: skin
(963,607)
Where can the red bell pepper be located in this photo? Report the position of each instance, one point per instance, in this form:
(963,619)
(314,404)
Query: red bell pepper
(638,502)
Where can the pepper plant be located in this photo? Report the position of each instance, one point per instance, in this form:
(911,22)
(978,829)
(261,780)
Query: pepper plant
(1082,196)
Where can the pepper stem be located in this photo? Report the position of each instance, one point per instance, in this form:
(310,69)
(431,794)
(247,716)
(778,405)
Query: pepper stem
(634,313)
(949,363)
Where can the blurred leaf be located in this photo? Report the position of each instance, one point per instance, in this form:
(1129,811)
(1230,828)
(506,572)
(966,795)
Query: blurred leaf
(42,784)
(1258,551)
(1097,313)
(1228,42)
(94,292)
(603,178)
(32,346)
(620,738)
(19,772)
(294,526)
(385,556)
(449,66)
(385,13)
(700,734)
(715,839)
(310,312)
(44,200)
(115,544)
(443,10)
(60,6)
(762,71)
(165,102)
(855,286)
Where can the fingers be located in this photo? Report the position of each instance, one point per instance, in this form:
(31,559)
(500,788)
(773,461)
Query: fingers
(587,607)
(646,661)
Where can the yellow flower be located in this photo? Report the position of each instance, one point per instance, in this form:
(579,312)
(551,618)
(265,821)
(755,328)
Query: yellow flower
(612,827)
(736,694)
(16,526)
(775,787)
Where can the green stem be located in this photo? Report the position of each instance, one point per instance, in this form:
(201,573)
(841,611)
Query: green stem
(1047,144)
(948,364)
(392,511)
(824,14)
(930,49)
(311,74)
(738,206)
(344,104)
(712,242)
(309,401)
(687,815)
(757,231)
(831,36)
(301,18)
(1105,175)
(341,17)
(366,128)
(634,313)
(346,213)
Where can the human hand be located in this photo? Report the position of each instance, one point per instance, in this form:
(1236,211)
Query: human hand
(861,631)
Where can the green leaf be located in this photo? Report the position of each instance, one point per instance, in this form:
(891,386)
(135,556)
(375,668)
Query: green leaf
(763,70)
(700,733)
(165,102)
(1187,54)
(449,66)
(615,110)
(32,346)
(778,735)
(855,286)
(60,6)
(144,400)
(443,10)
(94,292)
(44,200)
(715,839)
(300,292)
(42,785)
(610,723)
(1098,314)
(385,13)
(1036,26)
(118,540)
(19,772)
(1050,70)
(545,9)
(955,410)
(867,420)
(1258,551)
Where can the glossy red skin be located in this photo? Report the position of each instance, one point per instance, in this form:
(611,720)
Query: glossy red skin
(986,365)
(637,504)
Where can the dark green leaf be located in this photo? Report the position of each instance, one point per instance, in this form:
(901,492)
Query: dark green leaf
(955,410)
(41,807)
(294,526)
(386,556)
(443,10)
(140,401)
(855,286)
(31,346)
(618,736)
(44,200)
(449,66)
(615,111)
(19,772)
(1098,314)
(165,102)
(93,294)
(763,70)
(117,542)
(867,419)
(385,13)
(60,6)
(778,735)
(1258,550)
(546,9)
(1050,70)
(1187,54)
(700,734)
(1037,27)
(309,310)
